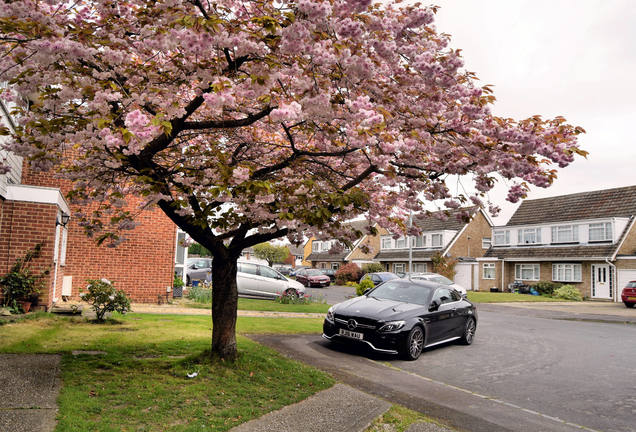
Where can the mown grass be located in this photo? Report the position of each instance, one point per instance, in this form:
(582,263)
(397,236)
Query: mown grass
(269,306)
(141,383)
(498,297)
(398,419)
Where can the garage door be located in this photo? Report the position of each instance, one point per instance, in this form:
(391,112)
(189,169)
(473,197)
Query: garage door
(464,275)
(624,276)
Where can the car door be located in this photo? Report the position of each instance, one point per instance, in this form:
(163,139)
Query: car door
(441,321)
(247,279)
(272,283)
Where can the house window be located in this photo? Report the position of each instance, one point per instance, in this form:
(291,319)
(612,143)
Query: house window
(436,240)
(386,242)
(502,237)
(400,243)
(529,236)
(398,267)
(335,266)
(489,270)
(63,246)
(565,234)
(486,243)
(419,267)
(420,241)
(566,272)
(315,246)
(527,272)
(601,231)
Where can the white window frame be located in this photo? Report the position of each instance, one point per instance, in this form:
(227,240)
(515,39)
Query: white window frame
(335,266)
(315,246)
(487,268)
(501,237)
(422,241)
(437,236)
(606,228)
(560,272)
(419,267)
(399,267)
(486,242)
(63,246)
(385,240)
(529,236)
(520,268)
(400,243)
(558,231)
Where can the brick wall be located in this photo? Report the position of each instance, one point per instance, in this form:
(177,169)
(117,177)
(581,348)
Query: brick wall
(629,244)
(469,242)
(143,266)
(307,252)
(371,241)
(22,226)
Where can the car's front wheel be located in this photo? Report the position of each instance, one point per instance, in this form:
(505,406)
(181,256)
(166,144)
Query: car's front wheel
(292,294)
(413,344)
(469,331)
(629,305)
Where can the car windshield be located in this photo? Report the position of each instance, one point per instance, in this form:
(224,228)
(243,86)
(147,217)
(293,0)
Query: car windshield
(402,292)
(441,280)
(631,285)
(314,272)
(388,276)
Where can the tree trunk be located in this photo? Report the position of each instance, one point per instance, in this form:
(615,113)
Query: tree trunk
(224,305)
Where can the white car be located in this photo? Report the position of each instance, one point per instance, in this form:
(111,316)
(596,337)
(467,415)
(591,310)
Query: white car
(435,277)
(263,281)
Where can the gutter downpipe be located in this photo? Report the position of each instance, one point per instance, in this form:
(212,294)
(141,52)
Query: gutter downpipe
(503,270)
(614,291)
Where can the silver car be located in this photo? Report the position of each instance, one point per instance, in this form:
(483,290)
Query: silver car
(198,269)
(263,281)
(435,277)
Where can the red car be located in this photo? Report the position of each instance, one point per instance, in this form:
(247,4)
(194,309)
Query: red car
(312,277)
(629,294)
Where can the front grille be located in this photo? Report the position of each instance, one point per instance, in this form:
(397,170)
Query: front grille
(364,323)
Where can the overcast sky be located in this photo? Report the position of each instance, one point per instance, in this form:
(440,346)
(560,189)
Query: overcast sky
(561,57)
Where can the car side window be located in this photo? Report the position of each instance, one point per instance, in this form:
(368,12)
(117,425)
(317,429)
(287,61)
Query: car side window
(247,268)
(267,272)
(443,295)
(455,295)
(375,278)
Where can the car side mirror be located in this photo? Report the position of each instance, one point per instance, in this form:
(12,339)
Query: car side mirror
(366,291)
(193,266)
(434,306)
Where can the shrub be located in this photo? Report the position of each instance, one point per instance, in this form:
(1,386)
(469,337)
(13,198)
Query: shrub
(103,298)
(444,265)
(372,268)
(177,282)
(20,284)
(364,285)
(568,292)
(201,293)
(348,273)
(546,287)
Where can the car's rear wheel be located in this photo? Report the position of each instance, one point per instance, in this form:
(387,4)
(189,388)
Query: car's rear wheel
(413,344)
(629,305)
(292,294)
(469,331)
(188,281)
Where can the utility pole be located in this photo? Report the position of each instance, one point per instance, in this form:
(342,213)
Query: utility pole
(408,237)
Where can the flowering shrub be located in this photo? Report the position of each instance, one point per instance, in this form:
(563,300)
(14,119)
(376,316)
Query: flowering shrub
(348,273)
(568,292)
(103,297)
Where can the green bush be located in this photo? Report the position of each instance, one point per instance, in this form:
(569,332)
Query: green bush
(568,292)
(546,287)
(201,293)
(103,297)
(21,284)
(177,282)
(372,268)
(364,285)
(348,273)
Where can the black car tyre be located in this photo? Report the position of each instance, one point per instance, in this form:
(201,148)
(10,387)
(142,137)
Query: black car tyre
(629,305)
(469,332)
(413,344)
(292,294)
(188,281)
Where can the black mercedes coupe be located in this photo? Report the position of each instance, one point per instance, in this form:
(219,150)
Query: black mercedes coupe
(403,317)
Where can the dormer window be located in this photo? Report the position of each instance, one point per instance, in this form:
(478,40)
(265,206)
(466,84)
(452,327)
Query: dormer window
(565,234)
(400,243)
(387,242)
(601,232)
(529,236)
(436,240)
(502,237)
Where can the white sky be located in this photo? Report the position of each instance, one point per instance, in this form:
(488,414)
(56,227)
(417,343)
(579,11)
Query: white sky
(561,57)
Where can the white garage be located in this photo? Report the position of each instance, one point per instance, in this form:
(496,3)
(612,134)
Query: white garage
(623,277)
(465,275)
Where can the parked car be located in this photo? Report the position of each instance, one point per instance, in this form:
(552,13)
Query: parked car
(313,277)
(379,277)
(296,270)
(263,281)
(629,294)
(331,273)
(403,316)
(198,269)
(438,278)
(283,268)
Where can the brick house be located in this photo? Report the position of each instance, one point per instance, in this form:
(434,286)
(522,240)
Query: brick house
(452,237)
(33,210)
(332,253)
(584,239)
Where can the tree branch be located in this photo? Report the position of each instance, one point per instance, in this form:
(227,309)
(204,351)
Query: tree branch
(223,124)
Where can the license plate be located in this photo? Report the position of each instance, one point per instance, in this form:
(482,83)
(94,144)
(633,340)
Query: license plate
(631,298)
(347,333)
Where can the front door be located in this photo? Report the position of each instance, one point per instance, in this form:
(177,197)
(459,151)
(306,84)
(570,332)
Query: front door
(601,281)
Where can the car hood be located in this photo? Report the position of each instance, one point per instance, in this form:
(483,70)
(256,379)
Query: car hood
(296,285)
(377,309)
(318,278)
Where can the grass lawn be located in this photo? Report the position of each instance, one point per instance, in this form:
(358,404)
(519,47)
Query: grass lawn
(141,383)
(497,297)
(268,306)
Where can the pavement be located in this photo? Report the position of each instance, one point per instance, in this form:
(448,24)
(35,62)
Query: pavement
(29,384)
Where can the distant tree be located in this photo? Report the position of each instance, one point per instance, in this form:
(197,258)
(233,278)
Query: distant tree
(197,249)
(444,265)
(270,253)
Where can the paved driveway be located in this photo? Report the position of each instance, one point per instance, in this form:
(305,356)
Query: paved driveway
(525,371)
(332,294)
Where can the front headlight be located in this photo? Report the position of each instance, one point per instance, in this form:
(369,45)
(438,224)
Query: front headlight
(330,315)
(392,326)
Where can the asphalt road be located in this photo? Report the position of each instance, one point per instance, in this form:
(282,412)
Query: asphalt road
(525,371)
(332,294)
